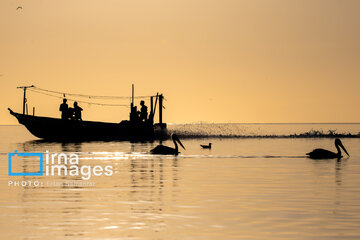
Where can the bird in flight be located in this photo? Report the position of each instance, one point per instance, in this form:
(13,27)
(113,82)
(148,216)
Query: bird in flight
(19,7)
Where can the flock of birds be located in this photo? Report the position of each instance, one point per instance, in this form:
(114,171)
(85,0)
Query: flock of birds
(317,153)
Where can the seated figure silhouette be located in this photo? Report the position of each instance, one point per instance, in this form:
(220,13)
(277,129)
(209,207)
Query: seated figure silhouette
(144,111)
(77,112)
(64,109)
(71,113)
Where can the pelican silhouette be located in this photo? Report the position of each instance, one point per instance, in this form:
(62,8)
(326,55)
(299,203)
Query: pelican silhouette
(320,153)
(161,149)
(206,146)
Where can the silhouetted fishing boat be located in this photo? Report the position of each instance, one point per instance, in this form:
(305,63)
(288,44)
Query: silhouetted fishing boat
(56,129)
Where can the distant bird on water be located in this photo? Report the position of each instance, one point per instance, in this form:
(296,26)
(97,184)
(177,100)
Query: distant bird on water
(206,146)
(161,149)
(320,153)
(19,7)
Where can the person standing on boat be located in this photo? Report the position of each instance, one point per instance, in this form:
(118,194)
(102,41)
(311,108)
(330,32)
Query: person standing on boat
(64,109)
(77,112)
(144,112)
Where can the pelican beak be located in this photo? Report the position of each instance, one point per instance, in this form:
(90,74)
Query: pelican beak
(178,140)
(342,146)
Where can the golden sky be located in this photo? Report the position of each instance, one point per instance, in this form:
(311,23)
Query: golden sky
(215,61)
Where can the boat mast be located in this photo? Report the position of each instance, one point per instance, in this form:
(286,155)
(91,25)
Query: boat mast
(24,99)
(132,108)
(160,108)
(132,96)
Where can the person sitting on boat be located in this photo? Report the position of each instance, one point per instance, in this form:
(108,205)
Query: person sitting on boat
(64,110)
(71,113)
(144,112)
(133,114)
(77,112)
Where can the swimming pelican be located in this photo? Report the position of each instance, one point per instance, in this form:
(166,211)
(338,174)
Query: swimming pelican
(206,146)
(320,153)
(161,149)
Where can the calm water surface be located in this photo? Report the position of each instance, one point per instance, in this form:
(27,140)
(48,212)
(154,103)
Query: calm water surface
(241,189)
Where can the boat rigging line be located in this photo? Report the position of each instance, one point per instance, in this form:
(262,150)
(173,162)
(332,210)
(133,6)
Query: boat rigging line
(81,101)
(64,94)
(57,94)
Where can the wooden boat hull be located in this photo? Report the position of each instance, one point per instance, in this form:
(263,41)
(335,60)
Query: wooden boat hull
(68,130)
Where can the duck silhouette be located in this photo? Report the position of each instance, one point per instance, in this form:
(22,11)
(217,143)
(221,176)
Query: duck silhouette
(206,146)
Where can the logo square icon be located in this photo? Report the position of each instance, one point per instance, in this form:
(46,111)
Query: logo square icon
(11,155)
